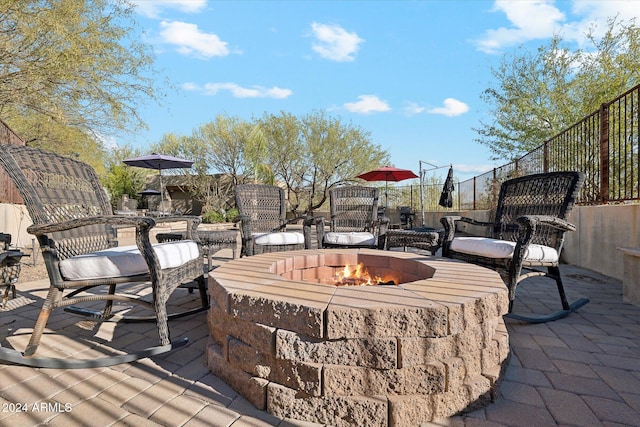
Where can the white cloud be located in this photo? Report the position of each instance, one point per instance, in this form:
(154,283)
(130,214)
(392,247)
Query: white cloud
(541,19)
(451,108)
(367,104)
(152,8)
(530,19)
(238,91)
(334,42)
(190,41)
(411,109)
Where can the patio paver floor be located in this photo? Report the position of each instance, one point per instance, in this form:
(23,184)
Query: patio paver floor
(581,370)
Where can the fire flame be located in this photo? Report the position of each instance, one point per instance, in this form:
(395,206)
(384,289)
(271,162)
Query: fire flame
(358,276)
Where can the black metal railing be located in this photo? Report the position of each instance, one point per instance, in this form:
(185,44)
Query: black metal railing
(605,145)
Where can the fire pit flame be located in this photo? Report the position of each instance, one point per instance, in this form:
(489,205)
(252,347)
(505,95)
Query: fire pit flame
(359,276)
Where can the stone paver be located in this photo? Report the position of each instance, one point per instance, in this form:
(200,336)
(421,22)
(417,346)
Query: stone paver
(583,370)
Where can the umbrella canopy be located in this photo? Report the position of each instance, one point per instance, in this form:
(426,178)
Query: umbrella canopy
(446,198)
(386,174)
(159,162)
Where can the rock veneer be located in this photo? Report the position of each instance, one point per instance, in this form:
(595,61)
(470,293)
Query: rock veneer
(432,346)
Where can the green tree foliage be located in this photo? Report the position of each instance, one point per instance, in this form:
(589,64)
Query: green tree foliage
(72,72)
(307,155)
(121,179)
(538,94)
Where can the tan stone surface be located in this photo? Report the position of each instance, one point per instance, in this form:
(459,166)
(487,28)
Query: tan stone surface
(380,353)
(334,354)
(351,380)
(260,337)
(300,376)
(294,306)
(336,411)
(251,388)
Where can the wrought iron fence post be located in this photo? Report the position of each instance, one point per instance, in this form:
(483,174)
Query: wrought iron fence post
(604,153)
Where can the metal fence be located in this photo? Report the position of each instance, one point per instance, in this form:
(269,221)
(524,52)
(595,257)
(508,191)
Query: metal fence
(604,145)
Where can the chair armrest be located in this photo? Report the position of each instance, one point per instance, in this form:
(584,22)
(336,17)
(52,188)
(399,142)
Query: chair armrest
(535,220)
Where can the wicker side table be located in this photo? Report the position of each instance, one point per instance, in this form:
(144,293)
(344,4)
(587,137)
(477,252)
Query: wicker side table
(421,238)
(212,241)
(9,267)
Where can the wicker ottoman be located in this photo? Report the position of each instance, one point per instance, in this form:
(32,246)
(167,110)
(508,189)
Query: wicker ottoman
(421,238)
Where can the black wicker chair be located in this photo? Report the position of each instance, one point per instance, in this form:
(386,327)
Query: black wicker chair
(263,223)
(354,221)
(526,235)
(73,222)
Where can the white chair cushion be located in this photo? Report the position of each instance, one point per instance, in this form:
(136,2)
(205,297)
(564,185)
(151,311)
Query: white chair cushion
(353,238)
(278,238)
(124,261)
(494,248)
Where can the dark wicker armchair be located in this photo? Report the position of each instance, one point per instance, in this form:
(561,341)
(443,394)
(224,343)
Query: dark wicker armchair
(263,223)
(354,221)
(73,222)
(526,236)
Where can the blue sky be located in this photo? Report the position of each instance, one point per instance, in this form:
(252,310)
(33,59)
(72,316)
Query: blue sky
(409,72)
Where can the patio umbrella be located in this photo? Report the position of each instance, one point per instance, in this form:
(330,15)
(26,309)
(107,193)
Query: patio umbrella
(159,162)
(386,174)
(446,198)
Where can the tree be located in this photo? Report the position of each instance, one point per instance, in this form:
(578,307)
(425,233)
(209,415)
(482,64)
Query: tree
(315,153)
(72,72)
(537,95)
(120,179)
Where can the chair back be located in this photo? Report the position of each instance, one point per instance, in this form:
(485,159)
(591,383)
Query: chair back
(552,194)
(55,189)
(353,208)
(262,205)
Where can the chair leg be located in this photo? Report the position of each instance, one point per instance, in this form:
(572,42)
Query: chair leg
(49,304)
(554,273)
(108,306)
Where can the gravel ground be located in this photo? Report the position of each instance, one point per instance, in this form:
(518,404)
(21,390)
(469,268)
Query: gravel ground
(30,273)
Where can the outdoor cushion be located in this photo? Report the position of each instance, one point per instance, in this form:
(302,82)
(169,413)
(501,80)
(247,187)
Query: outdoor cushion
(494,248)
(278,238)
(125,261)
(353,238)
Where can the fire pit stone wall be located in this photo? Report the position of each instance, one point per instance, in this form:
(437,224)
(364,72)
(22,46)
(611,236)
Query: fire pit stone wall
(401,355)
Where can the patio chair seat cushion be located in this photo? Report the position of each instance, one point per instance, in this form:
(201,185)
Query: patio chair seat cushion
(278,238)
(124,261)
(352,238)
(495,248)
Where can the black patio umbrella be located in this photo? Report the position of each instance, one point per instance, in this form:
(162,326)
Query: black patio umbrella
(446,198)
(159,162)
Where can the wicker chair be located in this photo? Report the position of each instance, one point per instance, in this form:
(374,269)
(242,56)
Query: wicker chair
(263,224)
(526,235)
(73,222)
(354,221)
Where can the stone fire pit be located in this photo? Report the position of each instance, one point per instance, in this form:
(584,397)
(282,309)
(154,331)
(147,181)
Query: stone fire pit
(428,348)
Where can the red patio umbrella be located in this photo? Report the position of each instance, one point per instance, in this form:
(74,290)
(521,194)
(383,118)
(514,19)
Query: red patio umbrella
(386,174)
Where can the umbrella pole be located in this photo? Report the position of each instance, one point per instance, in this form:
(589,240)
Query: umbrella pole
(161,191)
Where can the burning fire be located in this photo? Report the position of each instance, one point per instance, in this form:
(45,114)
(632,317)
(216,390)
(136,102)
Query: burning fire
(358,276)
